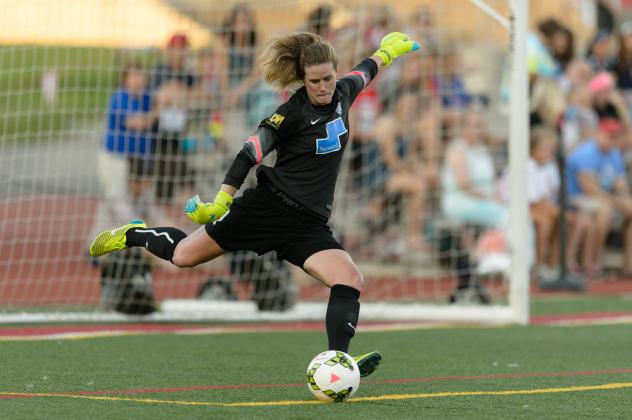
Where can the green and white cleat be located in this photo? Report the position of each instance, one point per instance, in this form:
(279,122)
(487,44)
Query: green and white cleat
(368,363)
(113,240)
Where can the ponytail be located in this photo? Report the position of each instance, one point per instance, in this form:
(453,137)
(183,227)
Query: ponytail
(285,58)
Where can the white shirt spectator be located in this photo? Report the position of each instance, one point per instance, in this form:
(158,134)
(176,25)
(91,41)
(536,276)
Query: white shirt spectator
(543,181)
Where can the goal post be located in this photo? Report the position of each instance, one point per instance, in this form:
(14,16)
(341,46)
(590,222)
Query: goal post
(61,78)
(518,149)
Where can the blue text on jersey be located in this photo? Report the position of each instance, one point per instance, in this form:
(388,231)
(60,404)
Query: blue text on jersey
(335,129)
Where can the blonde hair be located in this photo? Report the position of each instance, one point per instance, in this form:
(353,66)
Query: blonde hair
(542,134)
(285,58)
(548,99)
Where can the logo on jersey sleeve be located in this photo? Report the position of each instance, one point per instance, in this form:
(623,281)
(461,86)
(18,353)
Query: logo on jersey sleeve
(275,120)
(331,143)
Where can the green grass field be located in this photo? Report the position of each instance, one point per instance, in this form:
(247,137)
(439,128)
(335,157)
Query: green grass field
(486,372)
(86,77)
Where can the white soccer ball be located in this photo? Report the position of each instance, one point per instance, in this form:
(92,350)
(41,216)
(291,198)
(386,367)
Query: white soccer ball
(333,376)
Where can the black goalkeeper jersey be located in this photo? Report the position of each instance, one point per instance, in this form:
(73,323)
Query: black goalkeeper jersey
(310,142)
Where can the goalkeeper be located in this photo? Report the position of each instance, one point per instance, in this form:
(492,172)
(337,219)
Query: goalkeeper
(289,208)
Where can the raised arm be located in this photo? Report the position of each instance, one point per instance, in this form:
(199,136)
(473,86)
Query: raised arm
(392,46)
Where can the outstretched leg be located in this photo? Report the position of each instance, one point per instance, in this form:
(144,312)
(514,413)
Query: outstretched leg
(168,243)
(336,269)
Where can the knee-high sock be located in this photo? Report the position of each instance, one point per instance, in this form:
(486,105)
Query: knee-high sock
(160,241)
(342,316)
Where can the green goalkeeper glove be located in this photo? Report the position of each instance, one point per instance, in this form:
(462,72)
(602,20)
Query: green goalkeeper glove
(393,45)
(203,213)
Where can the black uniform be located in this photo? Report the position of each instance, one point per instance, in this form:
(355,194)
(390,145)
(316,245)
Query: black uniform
(289,208)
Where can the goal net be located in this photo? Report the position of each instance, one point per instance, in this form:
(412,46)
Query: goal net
(112,111)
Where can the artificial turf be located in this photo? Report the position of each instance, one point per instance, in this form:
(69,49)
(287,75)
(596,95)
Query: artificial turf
(181,371)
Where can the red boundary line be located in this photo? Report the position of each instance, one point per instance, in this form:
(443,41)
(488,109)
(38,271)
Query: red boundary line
(376,382)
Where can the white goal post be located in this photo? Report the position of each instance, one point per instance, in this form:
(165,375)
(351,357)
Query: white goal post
(56,90)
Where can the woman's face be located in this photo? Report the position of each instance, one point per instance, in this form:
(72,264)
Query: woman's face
(135,80)
(242,21)
(320,82)
(560,42)
(473,128)
(544,151)
(603,48)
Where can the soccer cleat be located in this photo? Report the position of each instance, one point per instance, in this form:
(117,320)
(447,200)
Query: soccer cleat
(113,240)
(368,363)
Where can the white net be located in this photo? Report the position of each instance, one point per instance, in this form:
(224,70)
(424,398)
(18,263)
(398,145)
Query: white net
(183,76)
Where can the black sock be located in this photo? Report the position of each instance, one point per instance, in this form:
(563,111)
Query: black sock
(160,241)
(342,316)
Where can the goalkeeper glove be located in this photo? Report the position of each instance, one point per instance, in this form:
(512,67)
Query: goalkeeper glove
(393,45)
(203,213)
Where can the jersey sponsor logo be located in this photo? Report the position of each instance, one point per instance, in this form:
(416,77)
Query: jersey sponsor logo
(275,120)
(331,143)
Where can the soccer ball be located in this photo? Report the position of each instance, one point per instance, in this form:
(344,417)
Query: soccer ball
(333,376)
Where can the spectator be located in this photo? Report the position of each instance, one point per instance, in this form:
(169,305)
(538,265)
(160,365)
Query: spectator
(578,73)
(563,46)
(597,187)
(423,29)
(580,119)
(127,137)
(209,75)
(468,178)
(172,85)
(543,197)
(600,52)
(124,163)
(540,61)
(319,22)
(402,151)
(247,95)
(623,66)
(547,102)
(450,87)
(607,101)
(239,33)
(208,100)
(450,84)
(173,68)
(559,40)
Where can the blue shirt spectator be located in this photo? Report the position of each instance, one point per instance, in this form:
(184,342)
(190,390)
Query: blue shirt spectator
(120,138)
(450,83)
(589,157)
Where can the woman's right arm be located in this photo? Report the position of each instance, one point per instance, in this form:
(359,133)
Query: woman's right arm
(254,150)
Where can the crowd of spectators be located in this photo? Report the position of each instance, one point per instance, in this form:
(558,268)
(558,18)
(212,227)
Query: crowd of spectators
(422,148)
(583,100)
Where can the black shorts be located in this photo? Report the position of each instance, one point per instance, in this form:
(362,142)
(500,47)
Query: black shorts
(259,221)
